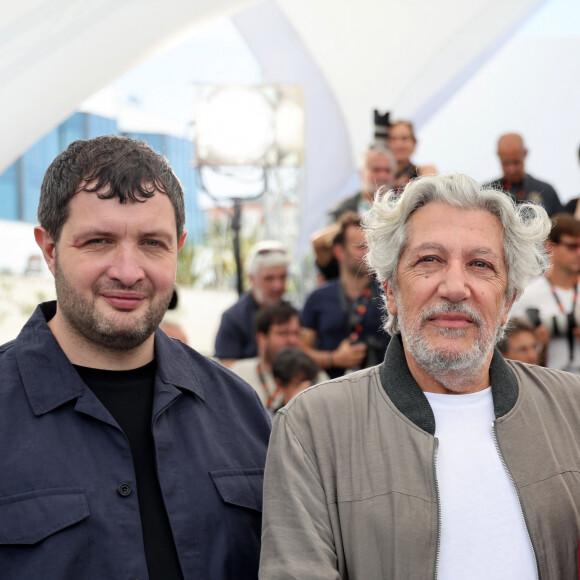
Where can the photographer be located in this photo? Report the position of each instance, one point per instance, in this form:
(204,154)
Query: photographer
(551,303)
(341,320)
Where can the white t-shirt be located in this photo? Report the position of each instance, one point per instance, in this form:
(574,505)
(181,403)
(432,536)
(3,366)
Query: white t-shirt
(483,533)
(538,294)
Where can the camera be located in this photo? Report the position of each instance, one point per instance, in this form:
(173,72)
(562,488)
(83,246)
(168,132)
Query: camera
(560,325)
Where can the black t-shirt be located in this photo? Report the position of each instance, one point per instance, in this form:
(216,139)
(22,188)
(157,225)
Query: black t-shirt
(128,396)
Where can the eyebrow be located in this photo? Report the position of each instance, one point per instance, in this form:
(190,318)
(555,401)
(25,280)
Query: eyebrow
(102,233)
(441,248)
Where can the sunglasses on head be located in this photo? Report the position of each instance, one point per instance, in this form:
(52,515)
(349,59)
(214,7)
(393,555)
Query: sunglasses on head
(267,251)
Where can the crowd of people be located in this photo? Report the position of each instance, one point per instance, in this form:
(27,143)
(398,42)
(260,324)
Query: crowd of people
(404,444)
(341,326)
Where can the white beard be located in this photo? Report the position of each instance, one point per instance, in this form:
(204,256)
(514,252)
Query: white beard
(455,369)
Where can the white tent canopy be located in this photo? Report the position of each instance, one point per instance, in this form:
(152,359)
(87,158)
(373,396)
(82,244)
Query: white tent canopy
(407,56)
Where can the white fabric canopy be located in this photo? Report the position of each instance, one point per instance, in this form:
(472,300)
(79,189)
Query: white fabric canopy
(54,54)
(407,56)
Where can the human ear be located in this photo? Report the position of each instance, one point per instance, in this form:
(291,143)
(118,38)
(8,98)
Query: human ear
(338,252)
(390,294)
(508,305)
(47,245)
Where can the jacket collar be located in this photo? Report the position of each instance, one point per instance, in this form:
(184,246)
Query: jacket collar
(50,380)
(407,396)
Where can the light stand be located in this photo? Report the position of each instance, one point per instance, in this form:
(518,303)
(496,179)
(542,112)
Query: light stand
(243,127)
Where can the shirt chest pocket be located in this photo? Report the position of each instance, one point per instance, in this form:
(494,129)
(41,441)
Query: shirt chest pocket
(240,487)
(42,535)
(240,491)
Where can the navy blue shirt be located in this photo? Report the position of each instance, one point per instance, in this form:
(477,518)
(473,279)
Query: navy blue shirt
(236,337)
(68,498)
(327,314)
(531,189)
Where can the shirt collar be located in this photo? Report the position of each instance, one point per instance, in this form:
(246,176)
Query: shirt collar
(183,371)
(50,380)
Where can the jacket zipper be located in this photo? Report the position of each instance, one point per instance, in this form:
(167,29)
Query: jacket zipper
(513,482)
(438,500)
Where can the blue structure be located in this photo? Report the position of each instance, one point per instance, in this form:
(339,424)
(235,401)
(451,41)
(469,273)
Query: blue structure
(180,154)
(20,183)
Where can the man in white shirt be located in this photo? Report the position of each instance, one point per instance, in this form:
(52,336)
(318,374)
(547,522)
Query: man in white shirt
(446,460)
(551,302)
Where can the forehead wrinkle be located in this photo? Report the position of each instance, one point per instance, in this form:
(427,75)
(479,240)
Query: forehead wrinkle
(483,251)
(428,246)
(442,247)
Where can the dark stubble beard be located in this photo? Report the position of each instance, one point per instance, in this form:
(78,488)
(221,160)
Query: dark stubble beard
(95,328)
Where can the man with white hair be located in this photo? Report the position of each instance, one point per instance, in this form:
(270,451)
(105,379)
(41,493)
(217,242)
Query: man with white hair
(445,460)
(267,270)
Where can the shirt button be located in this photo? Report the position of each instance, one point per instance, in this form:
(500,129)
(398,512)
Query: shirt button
(124,490)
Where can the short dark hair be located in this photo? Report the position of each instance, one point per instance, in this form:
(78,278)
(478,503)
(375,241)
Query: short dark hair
(291,362)
(347,219)
(513,326)
(563,224)
(273,314)
(132,170)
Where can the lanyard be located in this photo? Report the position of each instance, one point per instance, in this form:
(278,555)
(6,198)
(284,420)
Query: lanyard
(270,397)
(574,299)
(571,338)
(519,195)
(355,309)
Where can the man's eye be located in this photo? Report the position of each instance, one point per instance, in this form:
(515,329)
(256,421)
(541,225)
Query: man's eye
(97,242)
(428,259)
(481,264)
(153,244)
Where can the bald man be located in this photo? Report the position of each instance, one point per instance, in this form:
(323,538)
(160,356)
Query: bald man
(377,169)
(512,153)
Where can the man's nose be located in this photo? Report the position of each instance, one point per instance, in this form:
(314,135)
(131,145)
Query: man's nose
(454,285)
(125,266)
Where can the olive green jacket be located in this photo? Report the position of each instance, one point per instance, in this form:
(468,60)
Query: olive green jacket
(350,487)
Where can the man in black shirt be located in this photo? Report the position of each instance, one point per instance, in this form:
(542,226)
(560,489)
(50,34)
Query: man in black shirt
(522,187)
(124,453)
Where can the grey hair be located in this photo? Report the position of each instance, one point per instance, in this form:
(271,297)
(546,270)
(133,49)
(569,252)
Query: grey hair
(377,149)
(267,253)
(525,228)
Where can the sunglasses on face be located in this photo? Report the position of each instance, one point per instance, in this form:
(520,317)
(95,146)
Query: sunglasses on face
(572,246)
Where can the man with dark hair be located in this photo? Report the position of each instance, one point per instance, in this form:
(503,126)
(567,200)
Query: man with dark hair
(125,454)
(267,270)
(550,302)
(276,327)
(293,372)
(520,185)
(341,320)
(446,460)
(519,342)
